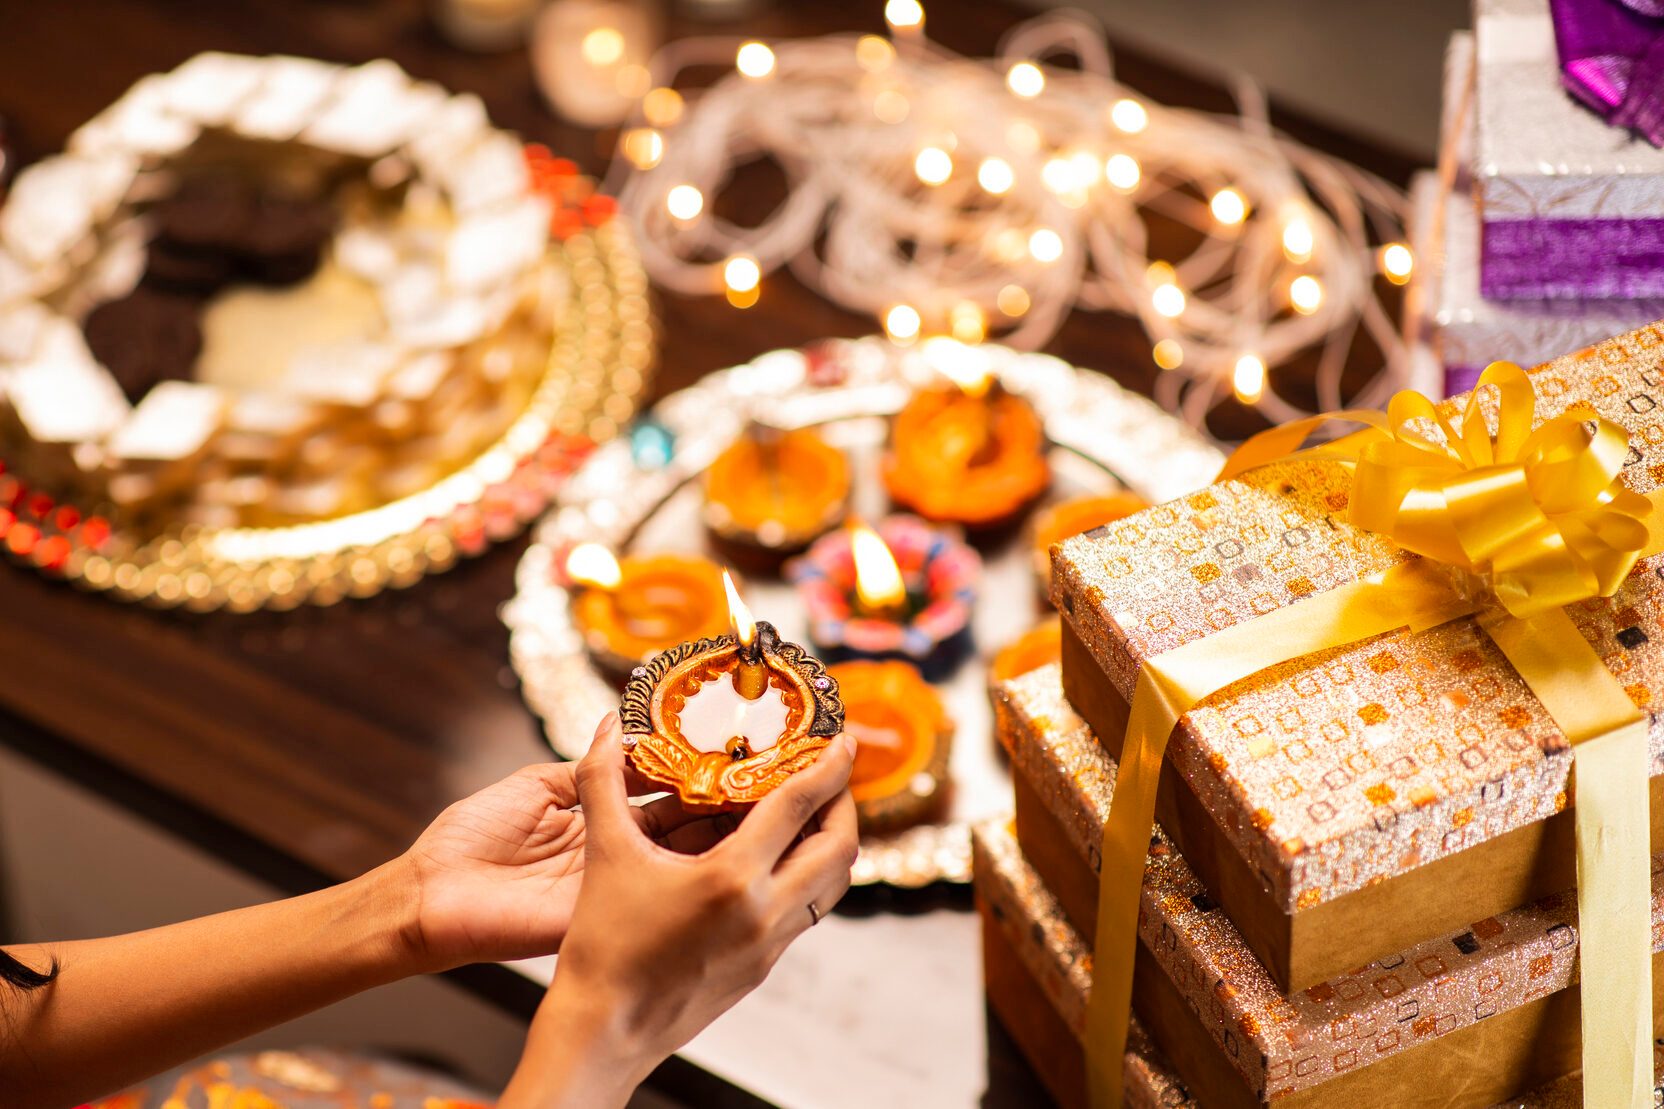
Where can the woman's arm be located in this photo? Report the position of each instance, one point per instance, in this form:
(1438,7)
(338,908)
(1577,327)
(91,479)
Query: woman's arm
(127,1007)
(662,943)
(494,877)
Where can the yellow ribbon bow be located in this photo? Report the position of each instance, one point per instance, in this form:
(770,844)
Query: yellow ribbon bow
(1512,526)
(1540,517)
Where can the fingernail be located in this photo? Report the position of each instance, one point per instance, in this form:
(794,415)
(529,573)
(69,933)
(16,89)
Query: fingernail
(606,724)
(849,744)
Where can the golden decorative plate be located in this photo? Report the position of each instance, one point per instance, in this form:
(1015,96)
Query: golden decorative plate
(642,493)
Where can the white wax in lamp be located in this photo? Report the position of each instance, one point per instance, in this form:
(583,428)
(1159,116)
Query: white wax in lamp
(717,713)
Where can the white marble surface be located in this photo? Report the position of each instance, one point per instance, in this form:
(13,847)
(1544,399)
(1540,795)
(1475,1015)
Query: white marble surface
(888,1008)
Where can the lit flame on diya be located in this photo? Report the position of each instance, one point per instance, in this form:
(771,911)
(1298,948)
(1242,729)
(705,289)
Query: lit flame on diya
(964,365)
(593,565)
(738,712)
(878,584)
(739,615)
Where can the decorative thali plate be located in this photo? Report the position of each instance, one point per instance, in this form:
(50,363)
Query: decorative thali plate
(274,330)
(642,494)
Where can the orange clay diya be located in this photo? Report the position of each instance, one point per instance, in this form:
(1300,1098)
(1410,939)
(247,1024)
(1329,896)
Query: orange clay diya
(1070,518)
(725,720)
(1030,651)
(903,738)
(772,492)
(969,453)
(629,609)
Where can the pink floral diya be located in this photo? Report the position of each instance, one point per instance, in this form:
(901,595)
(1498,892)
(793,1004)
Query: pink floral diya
(904,591)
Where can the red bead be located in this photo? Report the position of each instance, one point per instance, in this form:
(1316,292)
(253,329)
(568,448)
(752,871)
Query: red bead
(95,531)
(52,553)
(22,538)
(565,223)
(40,506)
(66,518)
(599,208)
(7,519)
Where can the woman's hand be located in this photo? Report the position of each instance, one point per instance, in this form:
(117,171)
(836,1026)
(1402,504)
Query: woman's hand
(660,943)
(497,874)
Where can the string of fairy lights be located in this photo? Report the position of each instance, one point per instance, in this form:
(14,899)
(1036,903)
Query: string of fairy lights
(988,198)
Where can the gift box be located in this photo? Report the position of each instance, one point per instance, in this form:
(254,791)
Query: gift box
(1570,206)
(1445,309)
(1475,1016)
(1036,970)
(1353,802)
(1467,332)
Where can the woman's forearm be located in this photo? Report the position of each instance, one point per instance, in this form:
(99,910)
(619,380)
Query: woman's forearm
(130,1006)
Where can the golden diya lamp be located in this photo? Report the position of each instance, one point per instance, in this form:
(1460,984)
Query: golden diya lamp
(903,591)
(724,720)
(631,608)
(903,737)
(1076,517)
(772,492)
(967,452)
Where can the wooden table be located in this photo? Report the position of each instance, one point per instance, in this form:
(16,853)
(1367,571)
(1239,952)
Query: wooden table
(309,746)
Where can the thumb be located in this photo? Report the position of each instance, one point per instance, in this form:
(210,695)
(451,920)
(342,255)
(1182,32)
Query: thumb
(601,789)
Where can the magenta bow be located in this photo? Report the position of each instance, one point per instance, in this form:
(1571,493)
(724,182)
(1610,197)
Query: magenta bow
(1612,59)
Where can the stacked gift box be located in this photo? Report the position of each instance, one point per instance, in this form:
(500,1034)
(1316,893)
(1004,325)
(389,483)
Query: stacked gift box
(1541,231)
(1361,887)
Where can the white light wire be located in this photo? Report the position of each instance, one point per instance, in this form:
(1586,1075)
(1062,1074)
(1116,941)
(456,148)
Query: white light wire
(859,226)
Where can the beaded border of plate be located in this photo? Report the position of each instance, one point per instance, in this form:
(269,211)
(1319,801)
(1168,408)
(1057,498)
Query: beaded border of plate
(612,493)
(601,356)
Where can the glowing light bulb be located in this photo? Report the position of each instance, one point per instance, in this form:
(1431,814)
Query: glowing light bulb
(1305,293)
(602,46)
(995,175)
(1023,136)
(890,106)
(643,146)
(1026,80)
(1013,300)
(874,52)
(1168,299)
(1297,240)
(1248,378)
(904,15)
(1122,171)
(1009,244)
(662,106)
(1168,354)
(967,322)
(1228,207)
(1057,175)
(1045,245)
(684,202)
(1397,262)
(901,323)
(754,60)
(1129,116)
(933,165)
(742,273)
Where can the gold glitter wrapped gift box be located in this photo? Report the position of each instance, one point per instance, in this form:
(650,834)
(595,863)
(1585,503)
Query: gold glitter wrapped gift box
(1478,1015)
(1038,972)
(1361,799)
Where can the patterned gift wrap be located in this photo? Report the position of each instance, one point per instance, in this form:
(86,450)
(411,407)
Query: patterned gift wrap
(1279,1044)
(1360,764)
(1059,961)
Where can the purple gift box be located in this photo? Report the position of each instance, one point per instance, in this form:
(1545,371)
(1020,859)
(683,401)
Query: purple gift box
(1572,206)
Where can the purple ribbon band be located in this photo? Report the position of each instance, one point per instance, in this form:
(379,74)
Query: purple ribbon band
(1612,59)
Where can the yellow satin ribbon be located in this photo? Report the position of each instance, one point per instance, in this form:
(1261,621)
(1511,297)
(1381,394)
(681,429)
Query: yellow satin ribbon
(1511,526)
